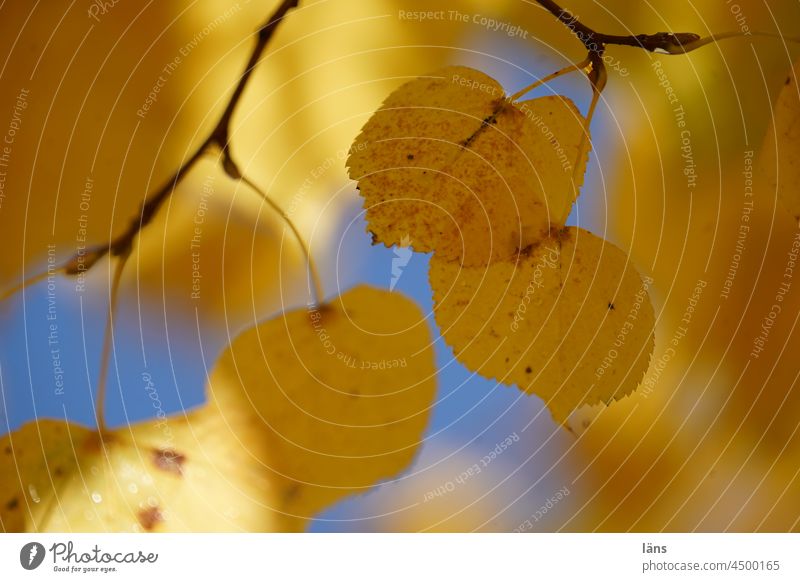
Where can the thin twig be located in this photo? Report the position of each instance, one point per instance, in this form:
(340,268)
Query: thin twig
(574,67)
(595,42)
(108,342)
(316,290)
(121,246)
(672,43)
(219,136)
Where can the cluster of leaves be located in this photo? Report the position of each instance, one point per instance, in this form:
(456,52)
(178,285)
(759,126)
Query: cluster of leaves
(300,412)
(310,406)
(486,184)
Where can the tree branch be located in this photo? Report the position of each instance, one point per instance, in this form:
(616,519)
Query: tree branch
(667,42)
(219,136)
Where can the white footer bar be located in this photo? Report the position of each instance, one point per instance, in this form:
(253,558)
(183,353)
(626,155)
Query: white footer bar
(401,557)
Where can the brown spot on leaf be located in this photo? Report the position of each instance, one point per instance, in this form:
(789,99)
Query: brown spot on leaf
(528,370)
(169,461)
(526,250)
(488,120)
(610,306)
(410,157)
(12,504)
(149,518)
(8,450)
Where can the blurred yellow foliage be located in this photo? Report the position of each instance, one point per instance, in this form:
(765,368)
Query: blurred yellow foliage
(303,410)
(344,390)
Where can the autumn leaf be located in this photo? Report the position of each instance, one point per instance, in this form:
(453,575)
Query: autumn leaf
(194,473)
(780,154)
(451,162)
(569,320)
(344,391)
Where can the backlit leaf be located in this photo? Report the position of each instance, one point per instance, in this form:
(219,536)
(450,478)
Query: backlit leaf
(344,390)
(451,163)
(569,321)
(194,473)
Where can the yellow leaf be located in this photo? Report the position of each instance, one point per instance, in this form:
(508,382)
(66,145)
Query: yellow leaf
(344,391)
(780,154)
(451,163)
(194,473)
(570,320)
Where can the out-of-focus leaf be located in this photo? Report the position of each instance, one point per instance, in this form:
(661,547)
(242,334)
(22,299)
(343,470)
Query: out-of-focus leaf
(104,107)
(219,251)
(780,155)
(344,391)
(196,473)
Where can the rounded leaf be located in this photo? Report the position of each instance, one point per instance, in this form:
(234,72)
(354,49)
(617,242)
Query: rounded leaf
(344,391)
(570,320)
(449,162)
